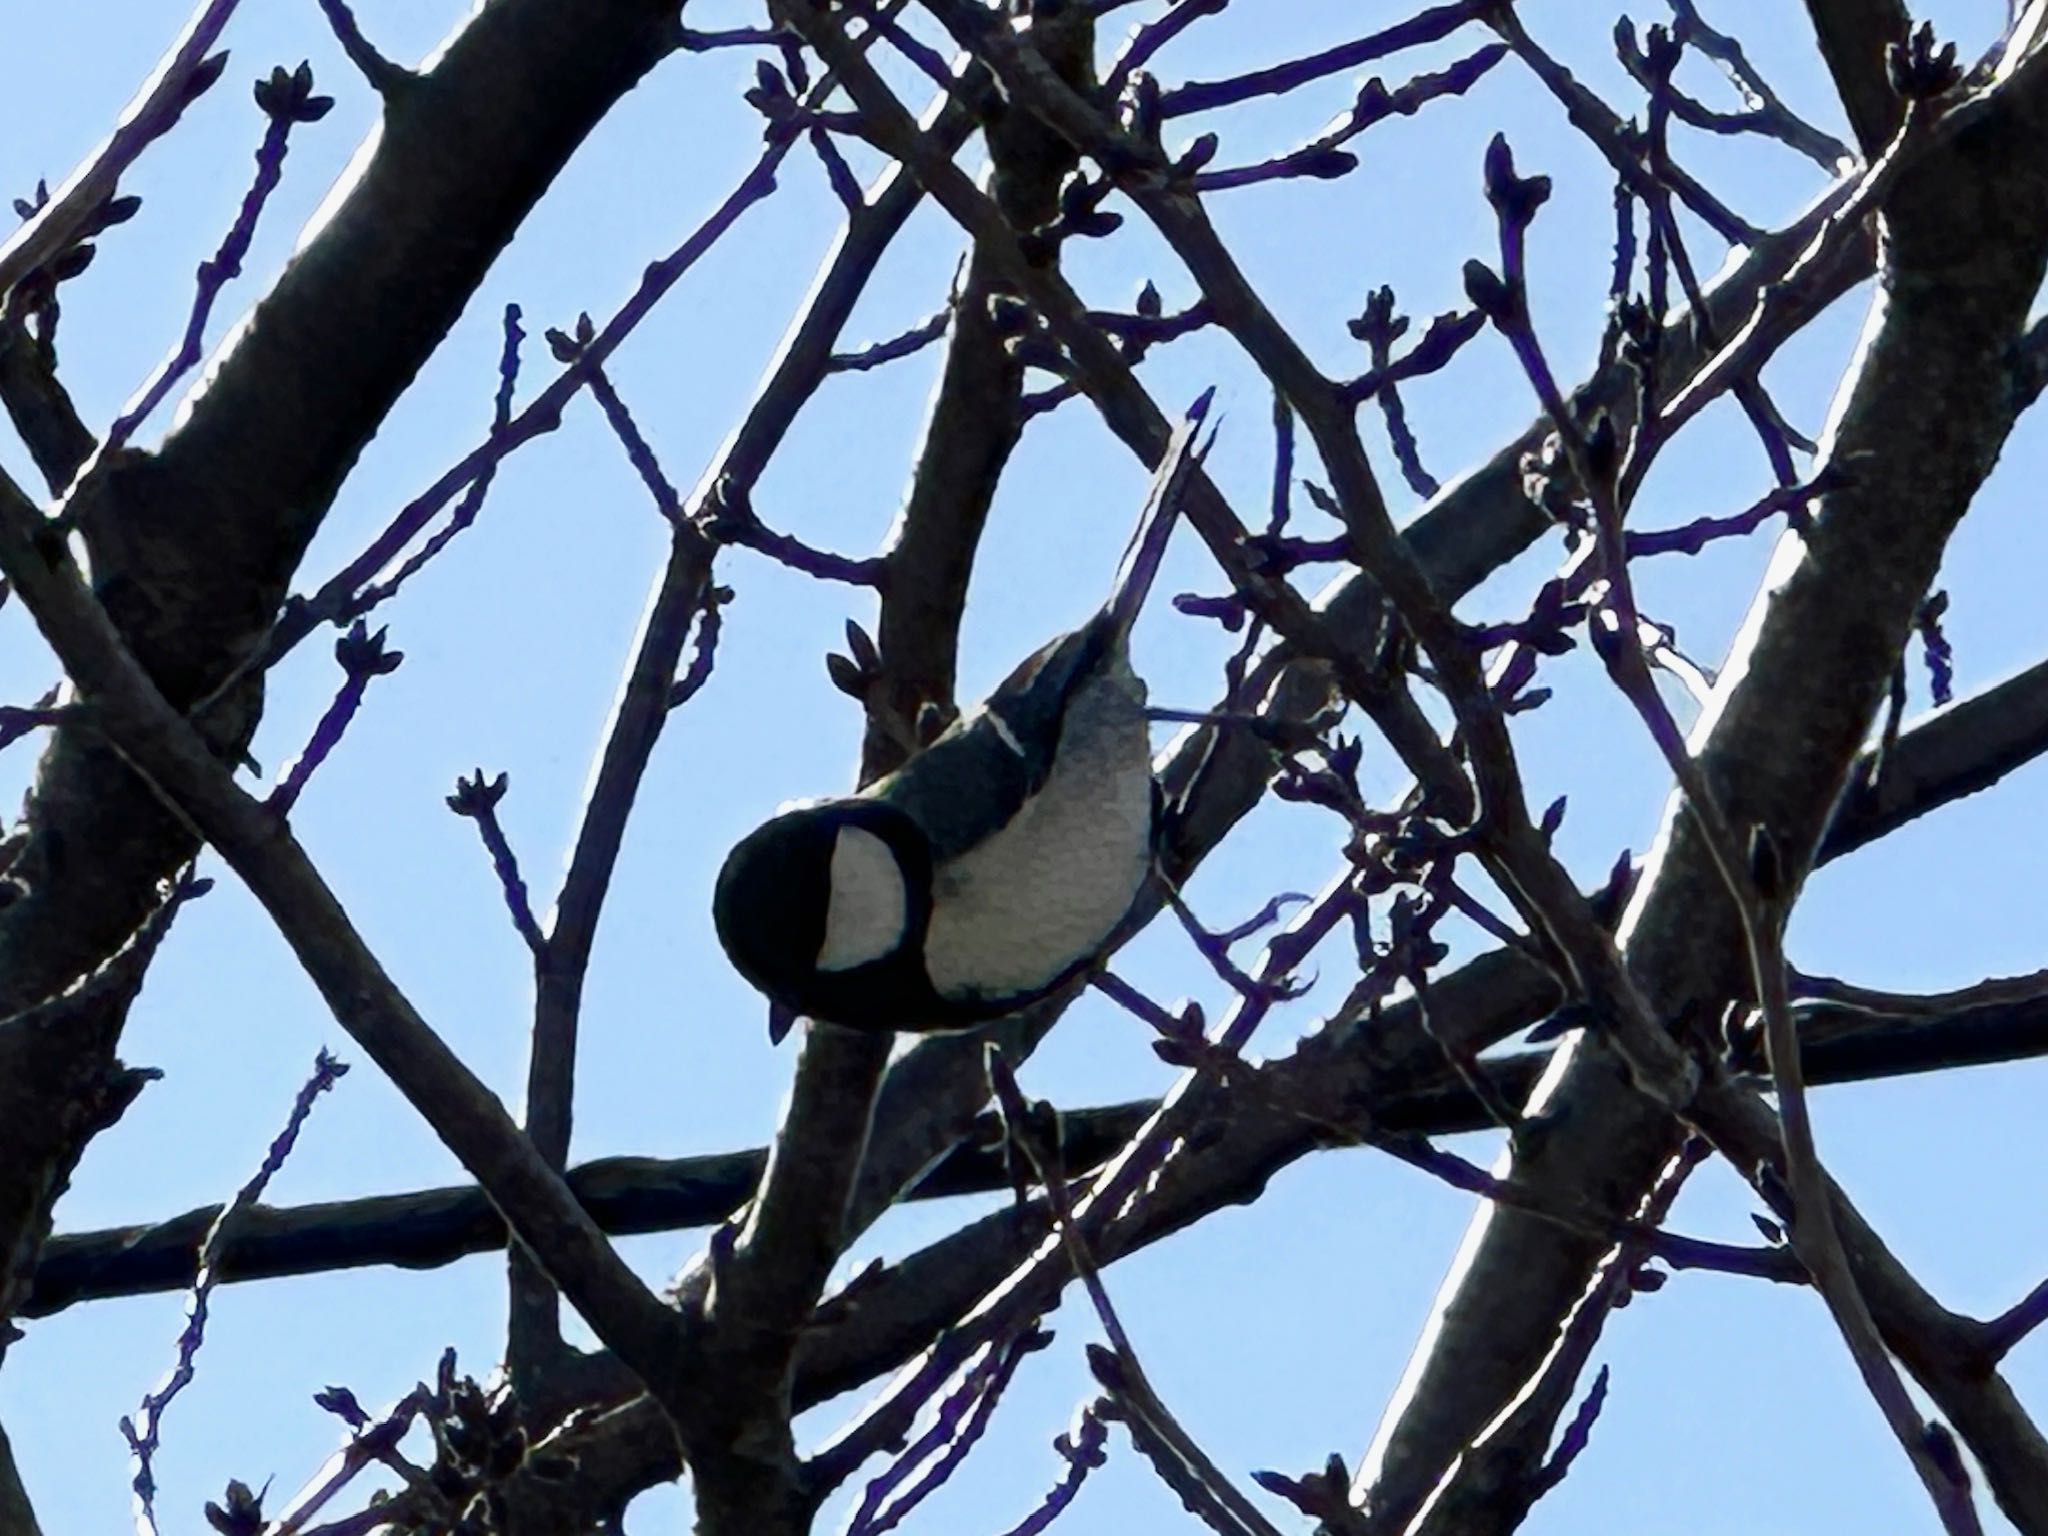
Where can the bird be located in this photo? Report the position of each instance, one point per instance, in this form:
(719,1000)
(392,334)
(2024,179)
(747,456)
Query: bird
(998,863)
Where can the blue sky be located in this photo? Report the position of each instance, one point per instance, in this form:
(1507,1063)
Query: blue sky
(1275,1331)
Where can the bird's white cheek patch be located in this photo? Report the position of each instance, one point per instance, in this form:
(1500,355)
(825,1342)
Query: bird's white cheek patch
(868,907)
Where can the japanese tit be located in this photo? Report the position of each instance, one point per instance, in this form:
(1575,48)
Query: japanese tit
(994,866)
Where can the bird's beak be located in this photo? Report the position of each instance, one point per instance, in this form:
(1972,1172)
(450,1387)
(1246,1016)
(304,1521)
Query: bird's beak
(781,1021)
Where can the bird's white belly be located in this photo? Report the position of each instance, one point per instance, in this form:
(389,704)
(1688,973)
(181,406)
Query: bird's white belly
(1015,912)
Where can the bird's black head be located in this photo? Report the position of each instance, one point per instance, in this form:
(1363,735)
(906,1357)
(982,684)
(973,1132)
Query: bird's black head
(824,909)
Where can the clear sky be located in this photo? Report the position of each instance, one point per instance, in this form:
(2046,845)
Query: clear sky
(1275,1331)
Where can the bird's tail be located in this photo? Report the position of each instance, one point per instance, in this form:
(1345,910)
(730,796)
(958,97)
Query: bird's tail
(1155,525)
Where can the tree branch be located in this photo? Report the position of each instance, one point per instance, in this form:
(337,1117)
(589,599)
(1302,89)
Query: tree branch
(1853,36)
(192,545)
(533,1336)
(1873,551)
(168,755)
(757,1295)
(39,406)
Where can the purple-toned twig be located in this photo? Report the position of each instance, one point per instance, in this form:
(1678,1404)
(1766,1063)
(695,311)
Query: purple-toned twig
(1624,246)
(1614,627)
(1941,656)
(378,592)
(1200,1485)
(732,520)
(1135,335)
(287,99)
(1776,1264)
(33,306)
(383,75)
(336,597)
(961,1419)
(1315,162)
(1229,610)
(1283,552)
(371,1442)
(1412,952)
(143,1443)
(775,95)
(928,61)
(1110,1192)
(181,79)
(1750,873)
(1690,538)
(1147,40)
(1607,131)
(1324,158)
(845,185)
(1262,919)
(1743,353)
(1458,899)
(1323,1496)
(1160,1437)
(704,654)
(1447,334)
(1280,500)
(916,339)
(1334,786)
(362,657)
(1148,322)
(1767,112)
(1558,608)
(476,798)
(1170,1025)
(1577,1436)
(1555,611)
(1667,246)
(1429,26)
(1378,327)
(639,453)
(1083,1446)
(1274,987)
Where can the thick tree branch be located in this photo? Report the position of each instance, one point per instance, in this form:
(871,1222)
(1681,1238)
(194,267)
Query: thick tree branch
(185,73)
(932,1096)
(533,1337)
(192,546)
(1841,1043)
(792,378)
(1527,868)
(1955,752)
(1460,538)
(1966,747)
(167,754)
(1819,652)
(757,1296)
(17,1515)
(1853,36)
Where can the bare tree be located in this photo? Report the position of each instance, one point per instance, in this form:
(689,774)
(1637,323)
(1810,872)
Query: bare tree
(1619,1037)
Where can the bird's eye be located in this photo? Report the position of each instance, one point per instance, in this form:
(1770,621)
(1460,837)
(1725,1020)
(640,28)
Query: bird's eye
(866,906)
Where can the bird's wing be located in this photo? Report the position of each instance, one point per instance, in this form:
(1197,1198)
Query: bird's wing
(977,776)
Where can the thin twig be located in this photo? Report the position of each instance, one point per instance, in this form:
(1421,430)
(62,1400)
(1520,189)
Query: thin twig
(144,1441)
